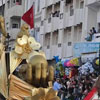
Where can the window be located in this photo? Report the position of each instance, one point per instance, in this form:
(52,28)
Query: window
(15,22)
(14,1)
(98,27)
(55,38)
(68,2)
(71,11)
(48,46)
(81,4)
(47,40)
(49,20)
(61,16)
(69,43)
(14,25)
(38,29)
(8,4)
(18,2)
(67,35)
(59,45)
(41,23)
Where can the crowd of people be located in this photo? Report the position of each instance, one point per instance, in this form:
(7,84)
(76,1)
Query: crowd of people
(75,88)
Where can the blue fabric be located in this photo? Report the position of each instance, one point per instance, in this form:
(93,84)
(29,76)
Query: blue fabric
(57,59)
(56,86)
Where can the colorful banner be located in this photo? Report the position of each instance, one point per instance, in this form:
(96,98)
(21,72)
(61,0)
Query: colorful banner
(80,48)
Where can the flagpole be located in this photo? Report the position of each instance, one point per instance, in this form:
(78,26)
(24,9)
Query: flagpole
(34,18)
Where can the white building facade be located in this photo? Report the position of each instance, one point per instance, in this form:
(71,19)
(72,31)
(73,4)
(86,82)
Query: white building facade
(66,22)
(14,9)
(59,24)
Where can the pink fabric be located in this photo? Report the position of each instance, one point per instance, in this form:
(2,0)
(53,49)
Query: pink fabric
(69,64)
(65,63)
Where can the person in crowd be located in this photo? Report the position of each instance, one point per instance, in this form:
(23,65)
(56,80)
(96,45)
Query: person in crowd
(90,35)
(78,86)
(57,86)
(94,94)
(94,30)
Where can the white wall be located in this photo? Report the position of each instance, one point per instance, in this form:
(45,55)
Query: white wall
(92,19)
(86,16)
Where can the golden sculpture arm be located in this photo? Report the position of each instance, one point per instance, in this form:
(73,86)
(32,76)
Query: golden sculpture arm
(2,26)
(4,34)
(38,73)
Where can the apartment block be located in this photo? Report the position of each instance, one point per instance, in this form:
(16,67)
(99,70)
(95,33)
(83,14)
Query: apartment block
(66,22)
(14,9)
(59,24)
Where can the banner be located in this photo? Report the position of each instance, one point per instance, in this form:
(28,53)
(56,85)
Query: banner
(80,48)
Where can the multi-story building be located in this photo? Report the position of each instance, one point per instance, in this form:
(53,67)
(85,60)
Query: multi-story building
(14,9)
(59,24)
(37,18)
(66,22)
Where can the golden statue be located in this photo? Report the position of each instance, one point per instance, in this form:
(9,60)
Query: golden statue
(35,76)
(2,29)
(36,71)
(3,36)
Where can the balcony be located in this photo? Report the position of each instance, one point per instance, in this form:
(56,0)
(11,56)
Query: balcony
(68,20)
(42,30)
(93,3)
(55,23)
(79,16)
(16,10)
(66,15)
(48,25)
(47,52)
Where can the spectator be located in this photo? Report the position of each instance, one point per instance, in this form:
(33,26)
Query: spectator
(90,35)
(94,30)
(57,86)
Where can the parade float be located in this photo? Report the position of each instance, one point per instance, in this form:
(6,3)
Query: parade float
(31,80)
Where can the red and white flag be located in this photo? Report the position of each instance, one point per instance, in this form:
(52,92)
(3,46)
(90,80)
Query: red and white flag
(92,95)
(28,17)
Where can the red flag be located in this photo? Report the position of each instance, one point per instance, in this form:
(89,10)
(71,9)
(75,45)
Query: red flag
(29,18)
(91,94)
